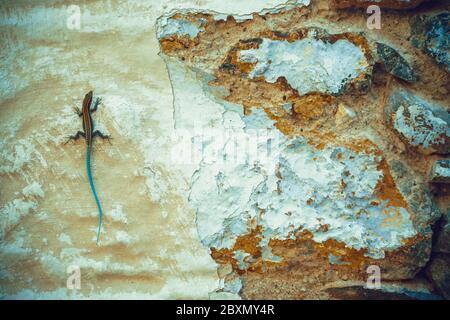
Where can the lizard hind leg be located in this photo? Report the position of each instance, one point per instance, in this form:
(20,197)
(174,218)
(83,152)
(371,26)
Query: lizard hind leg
(97,133)
(76,136)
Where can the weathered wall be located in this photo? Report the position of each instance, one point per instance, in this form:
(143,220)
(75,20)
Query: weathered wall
(357,121)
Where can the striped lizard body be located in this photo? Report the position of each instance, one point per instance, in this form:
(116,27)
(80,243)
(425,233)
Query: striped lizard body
(89,134)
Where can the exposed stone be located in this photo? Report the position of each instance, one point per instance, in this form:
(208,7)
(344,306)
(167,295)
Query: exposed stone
(320,202)
(395,63)
(440,172)
(431,34)
(363,293)
(438,272)
(391,4)
(418,194)
(442,244)
(422,125)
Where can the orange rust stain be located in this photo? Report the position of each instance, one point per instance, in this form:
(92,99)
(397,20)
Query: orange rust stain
(311,105)
(353,258)
(175,43)
(248,243)
(233,57)
(342,185)
(364,145)
(327,138)
(386,188)
(284,36)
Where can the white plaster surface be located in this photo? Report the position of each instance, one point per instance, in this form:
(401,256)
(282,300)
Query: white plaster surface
(309,65)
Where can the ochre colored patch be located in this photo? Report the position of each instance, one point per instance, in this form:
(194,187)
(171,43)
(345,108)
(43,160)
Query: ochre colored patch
(232,61)
(364,145)
(175,43)
(284,36)
(248,243)
(386,188)
(311,105)
(351,258)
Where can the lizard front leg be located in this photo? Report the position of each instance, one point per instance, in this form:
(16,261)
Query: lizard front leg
(76,136)
(96,103)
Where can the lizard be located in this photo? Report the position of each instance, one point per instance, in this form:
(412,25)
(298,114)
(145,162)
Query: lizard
(89,134)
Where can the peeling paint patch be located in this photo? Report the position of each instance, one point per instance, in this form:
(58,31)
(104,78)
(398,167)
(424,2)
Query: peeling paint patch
(180,27)
(307,190)
(343,195)
(307,64)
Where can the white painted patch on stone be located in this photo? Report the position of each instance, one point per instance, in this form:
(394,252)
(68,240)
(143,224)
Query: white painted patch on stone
(280,205)
(180,27)
(309,65)
(228,196)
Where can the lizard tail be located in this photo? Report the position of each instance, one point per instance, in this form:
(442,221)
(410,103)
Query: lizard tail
(91,183)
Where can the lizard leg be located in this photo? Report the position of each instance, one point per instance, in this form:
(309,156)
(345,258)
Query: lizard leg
(78,111)
(97,133)
(96,103)
(76,136)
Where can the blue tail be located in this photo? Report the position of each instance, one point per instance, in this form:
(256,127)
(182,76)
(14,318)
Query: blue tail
(91,183)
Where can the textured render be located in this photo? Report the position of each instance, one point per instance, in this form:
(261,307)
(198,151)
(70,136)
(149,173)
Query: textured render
(260,150)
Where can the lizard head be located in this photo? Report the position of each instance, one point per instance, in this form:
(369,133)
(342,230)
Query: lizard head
(88,98)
